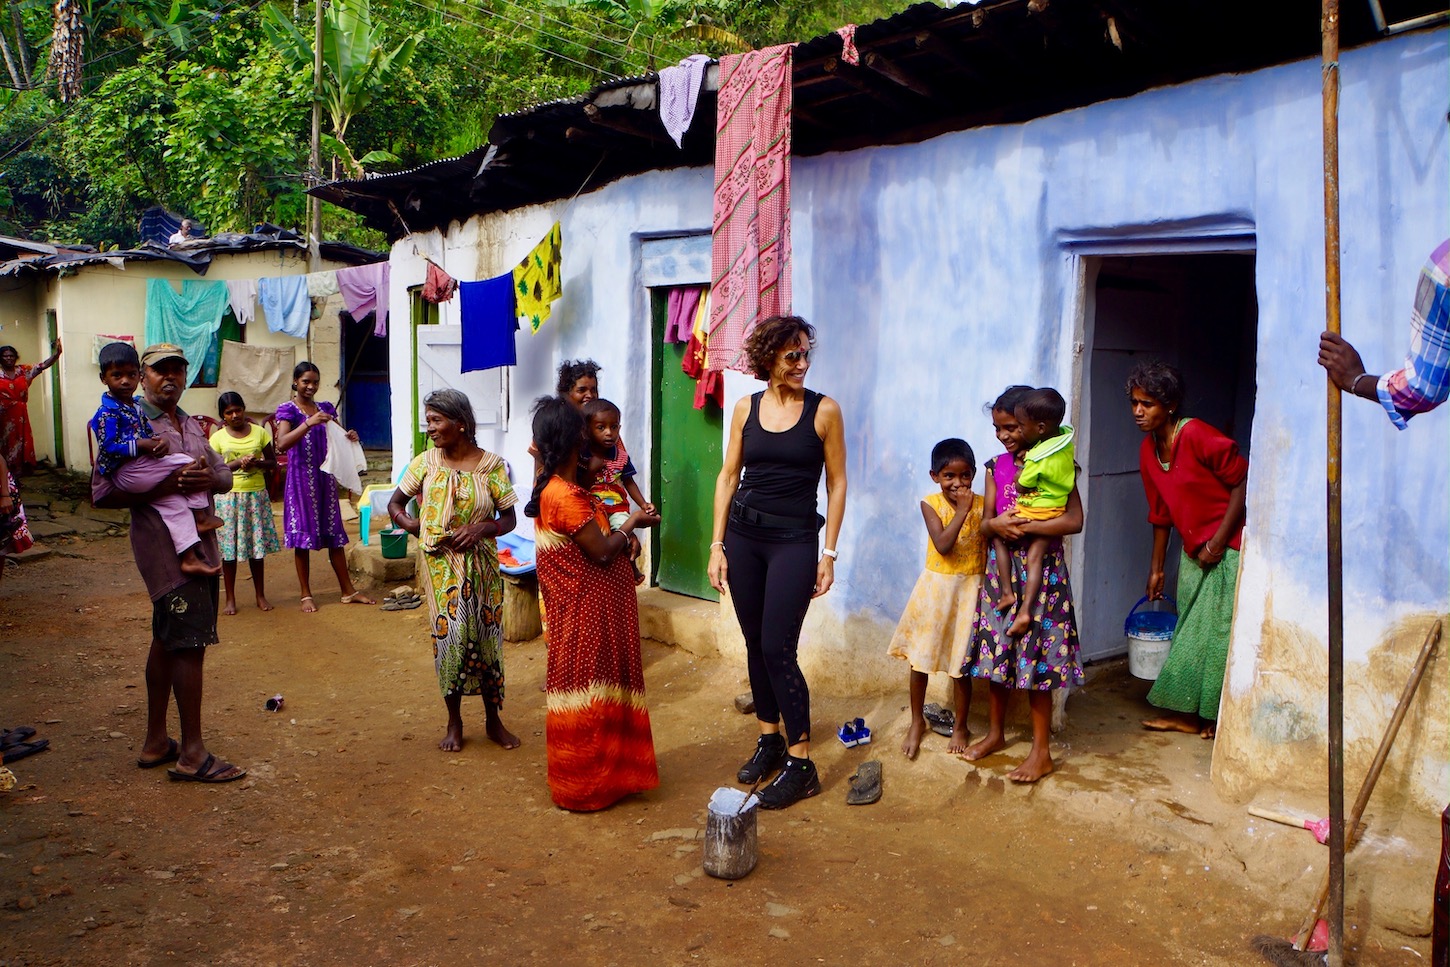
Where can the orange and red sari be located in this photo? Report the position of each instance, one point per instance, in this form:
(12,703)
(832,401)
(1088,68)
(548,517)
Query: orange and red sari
(600,748)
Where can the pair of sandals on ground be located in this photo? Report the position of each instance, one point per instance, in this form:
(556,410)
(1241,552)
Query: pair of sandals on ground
(16,744)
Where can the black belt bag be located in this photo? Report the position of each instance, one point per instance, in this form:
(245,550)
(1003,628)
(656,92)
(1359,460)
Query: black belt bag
(743,514)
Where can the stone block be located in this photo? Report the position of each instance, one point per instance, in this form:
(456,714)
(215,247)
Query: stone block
(370,569)
(117,516)
(679,620)
(36,552)
(43,529)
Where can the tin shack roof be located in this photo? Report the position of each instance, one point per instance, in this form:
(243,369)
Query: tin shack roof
(925,71)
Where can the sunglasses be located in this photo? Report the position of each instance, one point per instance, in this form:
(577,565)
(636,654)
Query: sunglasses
(798,355)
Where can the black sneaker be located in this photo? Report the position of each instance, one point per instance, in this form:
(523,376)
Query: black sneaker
(797,780)
(769,751)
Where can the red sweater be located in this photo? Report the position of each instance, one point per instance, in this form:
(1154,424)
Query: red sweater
(1192,495)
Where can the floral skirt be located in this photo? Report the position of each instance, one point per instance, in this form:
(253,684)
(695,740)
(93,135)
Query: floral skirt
(1044,658)
(14,531)
(248,531)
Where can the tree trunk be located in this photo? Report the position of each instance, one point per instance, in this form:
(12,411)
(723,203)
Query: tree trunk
(21,47)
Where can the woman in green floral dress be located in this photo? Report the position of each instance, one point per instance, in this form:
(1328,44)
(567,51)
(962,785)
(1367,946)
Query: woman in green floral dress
(465,501)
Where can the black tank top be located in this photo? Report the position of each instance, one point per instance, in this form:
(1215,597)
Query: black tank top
(782,470)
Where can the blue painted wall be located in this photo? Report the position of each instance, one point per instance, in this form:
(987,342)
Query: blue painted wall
(940,272)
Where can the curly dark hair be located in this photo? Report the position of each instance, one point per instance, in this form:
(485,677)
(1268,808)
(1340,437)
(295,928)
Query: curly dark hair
(1159,380)
(572,371)
(558,428)
(769,336)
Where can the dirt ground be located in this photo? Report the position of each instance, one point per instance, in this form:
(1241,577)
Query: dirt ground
(354,839)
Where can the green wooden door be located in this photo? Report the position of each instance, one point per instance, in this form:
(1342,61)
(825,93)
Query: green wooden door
(686,462)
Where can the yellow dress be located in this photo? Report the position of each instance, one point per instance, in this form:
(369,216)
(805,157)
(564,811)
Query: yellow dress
(935,631)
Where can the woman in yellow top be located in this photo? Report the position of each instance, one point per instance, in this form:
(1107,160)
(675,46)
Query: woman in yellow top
(248,530)
(935,631)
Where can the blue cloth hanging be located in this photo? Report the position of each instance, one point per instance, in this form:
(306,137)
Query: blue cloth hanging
(189,319)
(489,322)
(285,303)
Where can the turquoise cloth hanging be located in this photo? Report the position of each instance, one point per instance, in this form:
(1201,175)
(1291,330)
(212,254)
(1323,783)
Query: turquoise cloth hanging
(188,319)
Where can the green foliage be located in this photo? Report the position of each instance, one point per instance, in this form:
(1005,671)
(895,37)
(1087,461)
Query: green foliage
(203,105)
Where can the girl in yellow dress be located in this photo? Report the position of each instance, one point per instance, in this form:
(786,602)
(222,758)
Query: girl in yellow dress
(935,631)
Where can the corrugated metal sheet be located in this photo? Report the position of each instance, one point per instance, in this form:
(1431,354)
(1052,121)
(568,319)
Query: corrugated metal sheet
(923,72)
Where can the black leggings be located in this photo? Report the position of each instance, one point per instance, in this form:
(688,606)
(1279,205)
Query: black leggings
(771,585)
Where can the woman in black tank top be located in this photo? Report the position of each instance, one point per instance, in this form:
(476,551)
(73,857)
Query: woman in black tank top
(765,539)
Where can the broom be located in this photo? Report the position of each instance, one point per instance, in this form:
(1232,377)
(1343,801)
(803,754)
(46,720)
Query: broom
(1286,953)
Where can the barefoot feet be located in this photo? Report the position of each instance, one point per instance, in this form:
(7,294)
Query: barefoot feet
(989,743)
(230,607)
(911,745)
(500,735)
(960,735)
(1037,764)
(1006,602)
(1176,722)
(452,740)
(1021,624)
(262,605)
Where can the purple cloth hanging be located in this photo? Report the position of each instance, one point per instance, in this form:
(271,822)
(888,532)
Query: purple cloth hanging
(365,289)
(680,308)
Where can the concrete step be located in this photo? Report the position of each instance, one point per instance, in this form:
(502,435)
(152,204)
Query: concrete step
(680,621)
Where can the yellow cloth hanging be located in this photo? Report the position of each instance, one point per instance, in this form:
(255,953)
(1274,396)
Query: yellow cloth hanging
(537,279)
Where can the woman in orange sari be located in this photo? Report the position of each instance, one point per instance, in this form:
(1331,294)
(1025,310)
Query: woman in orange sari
(600,748)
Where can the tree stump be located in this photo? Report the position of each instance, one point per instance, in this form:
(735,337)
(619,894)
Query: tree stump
(521,620)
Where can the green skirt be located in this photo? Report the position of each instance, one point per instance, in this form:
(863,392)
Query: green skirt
(1192,675)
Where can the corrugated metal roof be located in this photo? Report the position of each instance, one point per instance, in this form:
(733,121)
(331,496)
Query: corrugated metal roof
(923,72)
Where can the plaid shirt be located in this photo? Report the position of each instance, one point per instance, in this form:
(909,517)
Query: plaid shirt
(1424,382)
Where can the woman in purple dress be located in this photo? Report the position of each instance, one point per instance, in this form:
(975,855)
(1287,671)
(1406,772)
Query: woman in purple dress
(311,520)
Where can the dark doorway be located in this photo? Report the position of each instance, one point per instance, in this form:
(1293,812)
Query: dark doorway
(367,395)
(1199,313)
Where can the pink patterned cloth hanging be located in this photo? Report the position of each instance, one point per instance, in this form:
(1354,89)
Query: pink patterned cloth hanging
(680,307)
(849,55)
(750,244)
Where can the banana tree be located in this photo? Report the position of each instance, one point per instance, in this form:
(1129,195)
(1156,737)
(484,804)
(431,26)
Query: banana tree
(355,66)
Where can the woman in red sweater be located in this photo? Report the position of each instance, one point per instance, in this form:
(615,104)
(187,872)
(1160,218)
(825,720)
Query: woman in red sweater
(1195,479)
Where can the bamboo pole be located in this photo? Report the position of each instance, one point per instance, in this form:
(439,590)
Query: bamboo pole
(1329,31)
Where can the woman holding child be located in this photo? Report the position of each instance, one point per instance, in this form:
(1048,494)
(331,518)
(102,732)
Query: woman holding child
(1044,656)
(763,551)
(465,502)
(1196,481)
(17,444)
(600,748)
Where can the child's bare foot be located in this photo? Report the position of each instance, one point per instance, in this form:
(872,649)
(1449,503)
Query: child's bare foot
(230,607)
(501,735)
(206,523)
(193,566)
(1174,722)
(1209,730)
(989,743)
(262,604)
(1037,764)
(1021,624)
(957,745)
(1006,602)
(911,745)
(638,574)
(452,740)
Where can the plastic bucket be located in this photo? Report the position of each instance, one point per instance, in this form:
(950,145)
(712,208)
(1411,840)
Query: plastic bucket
(730,850)
(1150,637)
(394,543)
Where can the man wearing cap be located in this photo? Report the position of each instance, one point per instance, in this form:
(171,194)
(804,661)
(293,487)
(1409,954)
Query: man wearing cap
(184,609)
(1422,384)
